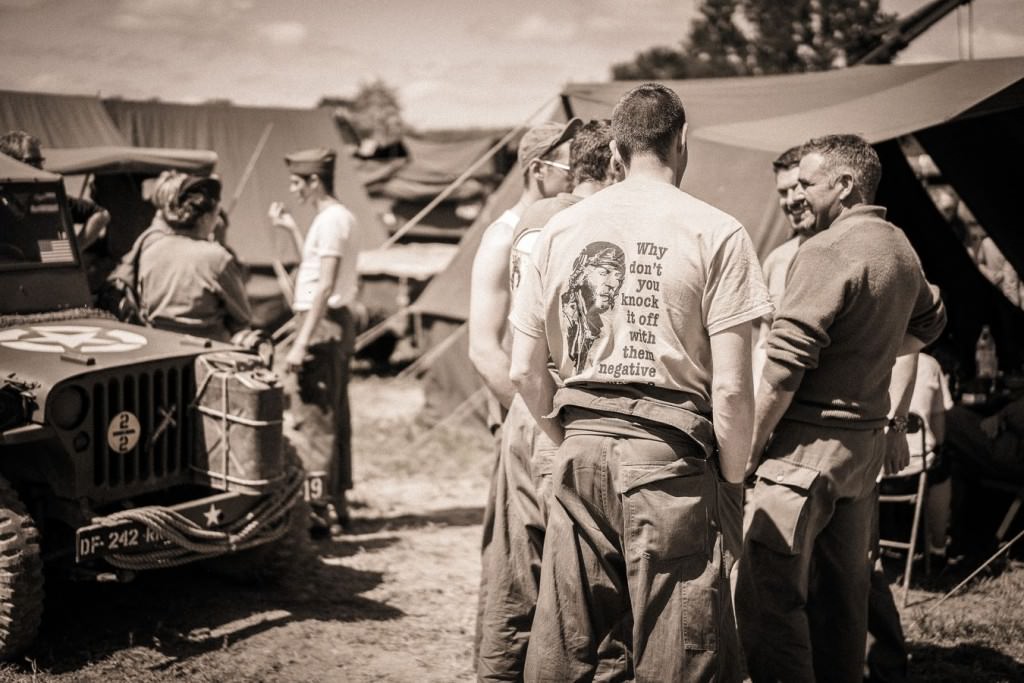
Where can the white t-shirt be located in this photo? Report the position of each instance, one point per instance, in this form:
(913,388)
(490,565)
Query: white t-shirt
(931,400)
(629,284)
(331,234)
(775,267)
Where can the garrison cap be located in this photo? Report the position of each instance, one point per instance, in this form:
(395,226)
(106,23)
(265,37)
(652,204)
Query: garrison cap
(542,139)
(309,161)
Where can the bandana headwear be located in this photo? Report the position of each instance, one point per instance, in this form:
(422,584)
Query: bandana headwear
(543,139)
(309,161)
(196,195)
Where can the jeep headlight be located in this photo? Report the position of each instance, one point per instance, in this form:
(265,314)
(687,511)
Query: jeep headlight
(68,407)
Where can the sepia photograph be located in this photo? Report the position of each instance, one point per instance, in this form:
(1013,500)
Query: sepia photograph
(473,341)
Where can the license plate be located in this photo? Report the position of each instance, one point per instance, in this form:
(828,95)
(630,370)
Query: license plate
(126,536)
(315,486)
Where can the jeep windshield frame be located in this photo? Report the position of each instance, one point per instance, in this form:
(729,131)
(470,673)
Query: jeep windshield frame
(40,269)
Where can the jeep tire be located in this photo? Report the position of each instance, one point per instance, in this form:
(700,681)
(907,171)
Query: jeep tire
(21,575)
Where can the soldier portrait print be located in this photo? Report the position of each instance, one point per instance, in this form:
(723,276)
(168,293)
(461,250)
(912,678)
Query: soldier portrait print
(594,284)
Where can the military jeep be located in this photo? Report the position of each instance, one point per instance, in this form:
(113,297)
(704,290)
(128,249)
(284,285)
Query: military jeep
(122,448)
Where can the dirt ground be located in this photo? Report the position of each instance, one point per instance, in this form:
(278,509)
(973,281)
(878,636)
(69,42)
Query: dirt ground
(394,599)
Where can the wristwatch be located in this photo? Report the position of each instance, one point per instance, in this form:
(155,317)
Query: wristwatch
(898,424)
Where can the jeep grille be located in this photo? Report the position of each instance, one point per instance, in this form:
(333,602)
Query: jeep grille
(159,397)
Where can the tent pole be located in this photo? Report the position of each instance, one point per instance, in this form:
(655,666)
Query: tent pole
(460,410)
(426,360)
(454,185)
(249,168)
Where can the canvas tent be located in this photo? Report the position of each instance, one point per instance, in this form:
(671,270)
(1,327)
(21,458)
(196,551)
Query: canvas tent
(59,120)
(965,114)
(235,134)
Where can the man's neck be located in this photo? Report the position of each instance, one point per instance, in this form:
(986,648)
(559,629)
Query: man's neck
(650,167)
(587,188)
(324,201)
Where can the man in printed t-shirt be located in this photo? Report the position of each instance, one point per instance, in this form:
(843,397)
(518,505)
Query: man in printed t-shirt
(643,297)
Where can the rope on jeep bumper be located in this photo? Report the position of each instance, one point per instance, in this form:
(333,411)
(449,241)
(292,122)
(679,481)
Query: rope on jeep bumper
(188,542)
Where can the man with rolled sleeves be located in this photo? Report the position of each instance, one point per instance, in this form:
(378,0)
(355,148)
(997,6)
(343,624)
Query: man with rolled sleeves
(315,363)
(856,300)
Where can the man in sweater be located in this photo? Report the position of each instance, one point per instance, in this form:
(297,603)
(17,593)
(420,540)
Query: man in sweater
(514,558)
(642,296)
(856,299)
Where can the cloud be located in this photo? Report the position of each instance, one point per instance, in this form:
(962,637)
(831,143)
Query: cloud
(284,33)
(536,27)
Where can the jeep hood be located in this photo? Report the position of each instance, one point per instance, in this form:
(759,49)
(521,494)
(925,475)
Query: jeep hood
(47,353)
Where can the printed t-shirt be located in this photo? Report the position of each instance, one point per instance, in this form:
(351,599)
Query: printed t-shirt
(628,284)
(534,219)
(331,234)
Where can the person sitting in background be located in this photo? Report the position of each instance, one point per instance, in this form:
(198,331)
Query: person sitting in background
(981,447)
(90,218)
(191,284)
(931,399)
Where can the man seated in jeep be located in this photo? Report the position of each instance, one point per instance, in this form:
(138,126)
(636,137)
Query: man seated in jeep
(90,218)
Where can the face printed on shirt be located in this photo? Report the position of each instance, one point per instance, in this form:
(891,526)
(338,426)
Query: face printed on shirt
(594,284)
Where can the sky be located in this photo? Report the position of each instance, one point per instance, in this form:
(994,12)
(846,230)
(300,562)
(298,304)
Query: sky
(454,63)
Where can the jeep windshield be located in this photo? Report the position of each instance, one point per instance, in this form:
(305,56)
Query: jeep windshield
(33,228)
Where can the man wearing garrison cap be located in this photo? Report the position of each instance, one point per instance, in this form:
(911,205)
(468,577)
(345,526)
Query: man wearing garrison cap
(315,364)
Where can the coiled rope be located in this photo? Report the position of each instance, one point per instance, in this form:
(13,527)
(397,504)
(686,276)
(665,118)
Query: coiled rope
(188,542)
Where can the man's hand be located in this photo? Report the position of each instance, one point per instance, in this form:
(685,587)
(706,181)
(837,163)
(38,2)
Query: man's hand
(753,462)
(280,217)
(897,452)
(990,425)
(295,358)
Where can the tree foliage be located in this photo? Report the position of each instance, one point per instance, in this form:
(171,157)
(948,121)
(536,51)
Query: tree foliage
(376,112)
(753,37)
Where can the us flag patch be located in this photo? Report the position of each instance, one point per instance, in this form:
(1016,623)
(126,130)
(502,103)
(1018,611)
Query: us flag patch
(56,251)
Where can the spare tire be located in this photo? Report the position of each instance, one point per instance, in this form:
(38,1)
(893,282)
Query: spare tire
(21,575)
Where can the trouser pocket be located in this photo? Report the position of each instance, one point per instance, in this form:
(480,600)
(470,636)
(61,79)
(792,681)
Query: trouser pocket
(778,505)
(666,509)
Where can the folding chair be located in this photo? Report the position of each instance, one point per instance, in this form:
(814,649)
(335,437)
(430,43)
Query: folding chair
(915,425)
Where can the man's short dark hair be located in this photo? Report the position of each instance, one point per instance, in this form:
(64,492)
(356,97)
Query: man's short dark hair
(18,144)
(326,180)
(787,160)
(648,118)
(589,153)
(848,154)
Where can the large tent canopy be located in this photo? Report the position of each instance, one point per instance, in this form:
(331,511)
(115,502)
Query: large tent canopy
(257,139)
(59,120)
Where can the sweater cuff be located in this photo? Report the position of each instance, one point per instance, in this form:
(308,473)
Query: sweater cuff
(781,376)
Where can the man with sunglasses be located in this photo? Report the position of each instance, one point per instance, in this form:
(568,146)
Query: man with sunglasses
(544,163)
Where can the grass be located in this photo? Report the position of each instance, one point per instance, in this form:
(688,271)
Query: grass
(976,635)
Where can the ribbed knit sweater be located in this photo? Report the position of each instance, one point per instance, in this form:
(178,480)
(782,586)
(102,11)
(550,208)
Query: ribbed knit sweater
(854,290)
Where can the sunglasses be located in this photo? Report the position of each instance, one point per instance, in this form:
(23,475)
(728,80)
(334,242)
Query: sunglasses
(556,164)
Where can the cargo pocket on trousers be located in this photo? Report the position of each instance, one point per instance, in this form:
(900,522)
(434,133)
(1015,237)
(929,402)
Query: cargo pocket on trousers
(666,510)
(779,504)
